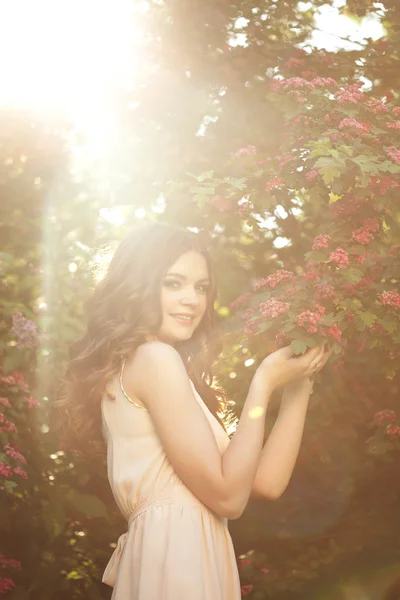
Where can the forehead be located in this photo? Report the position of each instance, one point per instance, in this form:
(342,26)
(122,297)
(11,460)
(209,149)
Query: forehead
(191,264)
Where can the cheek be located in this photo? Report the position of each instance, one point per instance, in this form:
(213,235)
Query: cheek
(204,306)
(165,299)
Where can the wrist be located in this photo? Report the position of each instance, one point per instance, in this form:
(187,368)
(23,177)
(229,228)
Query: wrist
(262,383)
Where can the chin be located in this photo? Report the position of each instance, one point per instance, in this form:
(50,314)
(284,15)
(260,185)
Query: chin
(174,337)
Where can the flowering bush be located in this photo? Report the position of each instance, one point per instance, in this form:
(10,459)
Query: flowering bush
(345,286)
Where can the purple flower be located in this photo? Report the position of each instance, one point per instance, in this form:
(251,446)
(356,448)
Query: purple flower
(25,331)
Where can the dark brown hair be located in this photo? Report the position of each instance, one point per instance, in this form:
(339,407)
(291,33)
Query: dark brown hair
(123,312)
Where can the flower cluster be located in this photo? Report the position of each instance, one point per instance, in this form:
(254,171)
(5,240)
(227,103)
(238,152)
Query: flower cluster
(6,583)
(362,127)
(363,235)
(393,430)
(394,154)
(273,308)
(321,241)
(341,257)
(273,279)
(385,183)
(274,182)
(375,105)
(25,330)
(247,151)
(390,299)
(385,415)
(241,300)
(312,174)
(324,290)
(349,93)
(395,125)
(309,320)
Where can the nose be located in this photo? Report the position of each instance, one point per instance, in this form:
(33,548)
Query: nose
(190,298)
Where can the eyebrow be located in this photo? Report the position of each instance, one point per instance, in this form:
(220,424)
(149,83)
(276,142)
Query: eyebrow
(184,277)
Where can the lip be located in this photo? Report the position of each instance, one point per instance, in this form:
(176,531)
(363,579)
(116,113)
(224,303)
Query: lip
(183,321)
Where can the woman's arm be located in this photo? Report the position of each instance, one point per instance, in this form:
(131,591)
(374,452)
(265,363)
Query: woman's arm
(281,449)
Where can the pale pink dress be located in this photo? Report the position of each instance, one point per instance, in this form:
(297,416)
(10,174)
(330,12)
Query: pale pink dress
(175,548)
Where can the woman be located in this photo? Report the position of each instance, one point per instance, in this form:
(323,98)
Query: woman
(142,374)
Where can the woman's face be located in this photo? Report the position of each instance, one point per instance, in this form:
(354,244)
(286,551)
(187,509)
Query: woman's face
(184,297)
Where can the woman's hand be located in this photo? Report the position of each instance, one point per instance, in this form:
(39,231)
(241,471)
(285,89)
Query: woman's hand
(305,384)
(281,368)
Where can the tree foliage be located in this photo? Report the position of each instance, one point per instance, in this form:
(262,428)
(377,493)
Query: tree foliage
(242,129)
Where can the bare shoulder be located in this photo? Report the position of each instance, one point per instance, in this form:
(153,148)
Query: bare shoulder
(155,350)
(153,366)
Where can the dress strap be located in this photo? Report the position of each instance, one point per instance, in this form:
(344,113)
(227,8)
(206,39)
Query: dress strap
(140,406)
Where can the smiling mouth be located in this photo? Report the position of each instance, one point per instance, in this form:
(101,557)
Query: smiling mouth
(185,319)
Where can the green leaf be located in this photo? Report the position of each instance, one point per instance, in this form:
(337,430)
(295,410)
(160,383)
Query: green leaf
(9,486)
(329,169)
(202,191)
(389,325)
(354,275)
(298,346)
(367,317)
(205,175)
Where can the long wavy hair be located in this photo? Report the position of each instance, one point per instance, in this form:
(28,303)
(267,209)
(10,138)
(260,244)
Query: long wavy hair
(123,312)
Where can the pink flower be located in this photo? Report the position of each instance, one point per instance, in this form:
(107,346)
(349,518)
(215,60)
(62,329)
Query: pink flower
(25,331)
(334,331)
(309,320)
(324,290)
(246,589)
(286,158)
(376,105)
(247,151)
(394,154)
(393,430)
(341,257)
(360,259)
(21,472)
(265,571)
(385,183)
(294,83)
(5,470)
(7,426)
(363,127)
(10,451)
(362,236)
(323,82)
(390,299)
(273,308)
(385,415)
(396,111)
(251,327)
(274,182)
(6,585)
(246,562)
(9,563)
(349,93)
(312,174)
(241,300)
(372,225)
(273,280)
(321,241)
(31,401)
(395,125)
(5,402)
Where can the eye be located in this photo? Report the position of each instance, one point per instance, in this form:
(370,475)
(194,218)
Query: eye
(171,283)
(203,288)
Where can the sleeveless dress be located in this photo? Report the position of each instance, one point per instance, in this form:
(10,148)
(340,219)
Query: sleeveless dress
(176,548)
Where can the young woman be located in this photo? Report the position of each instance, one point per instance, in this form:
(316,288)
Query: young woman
(141,377)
